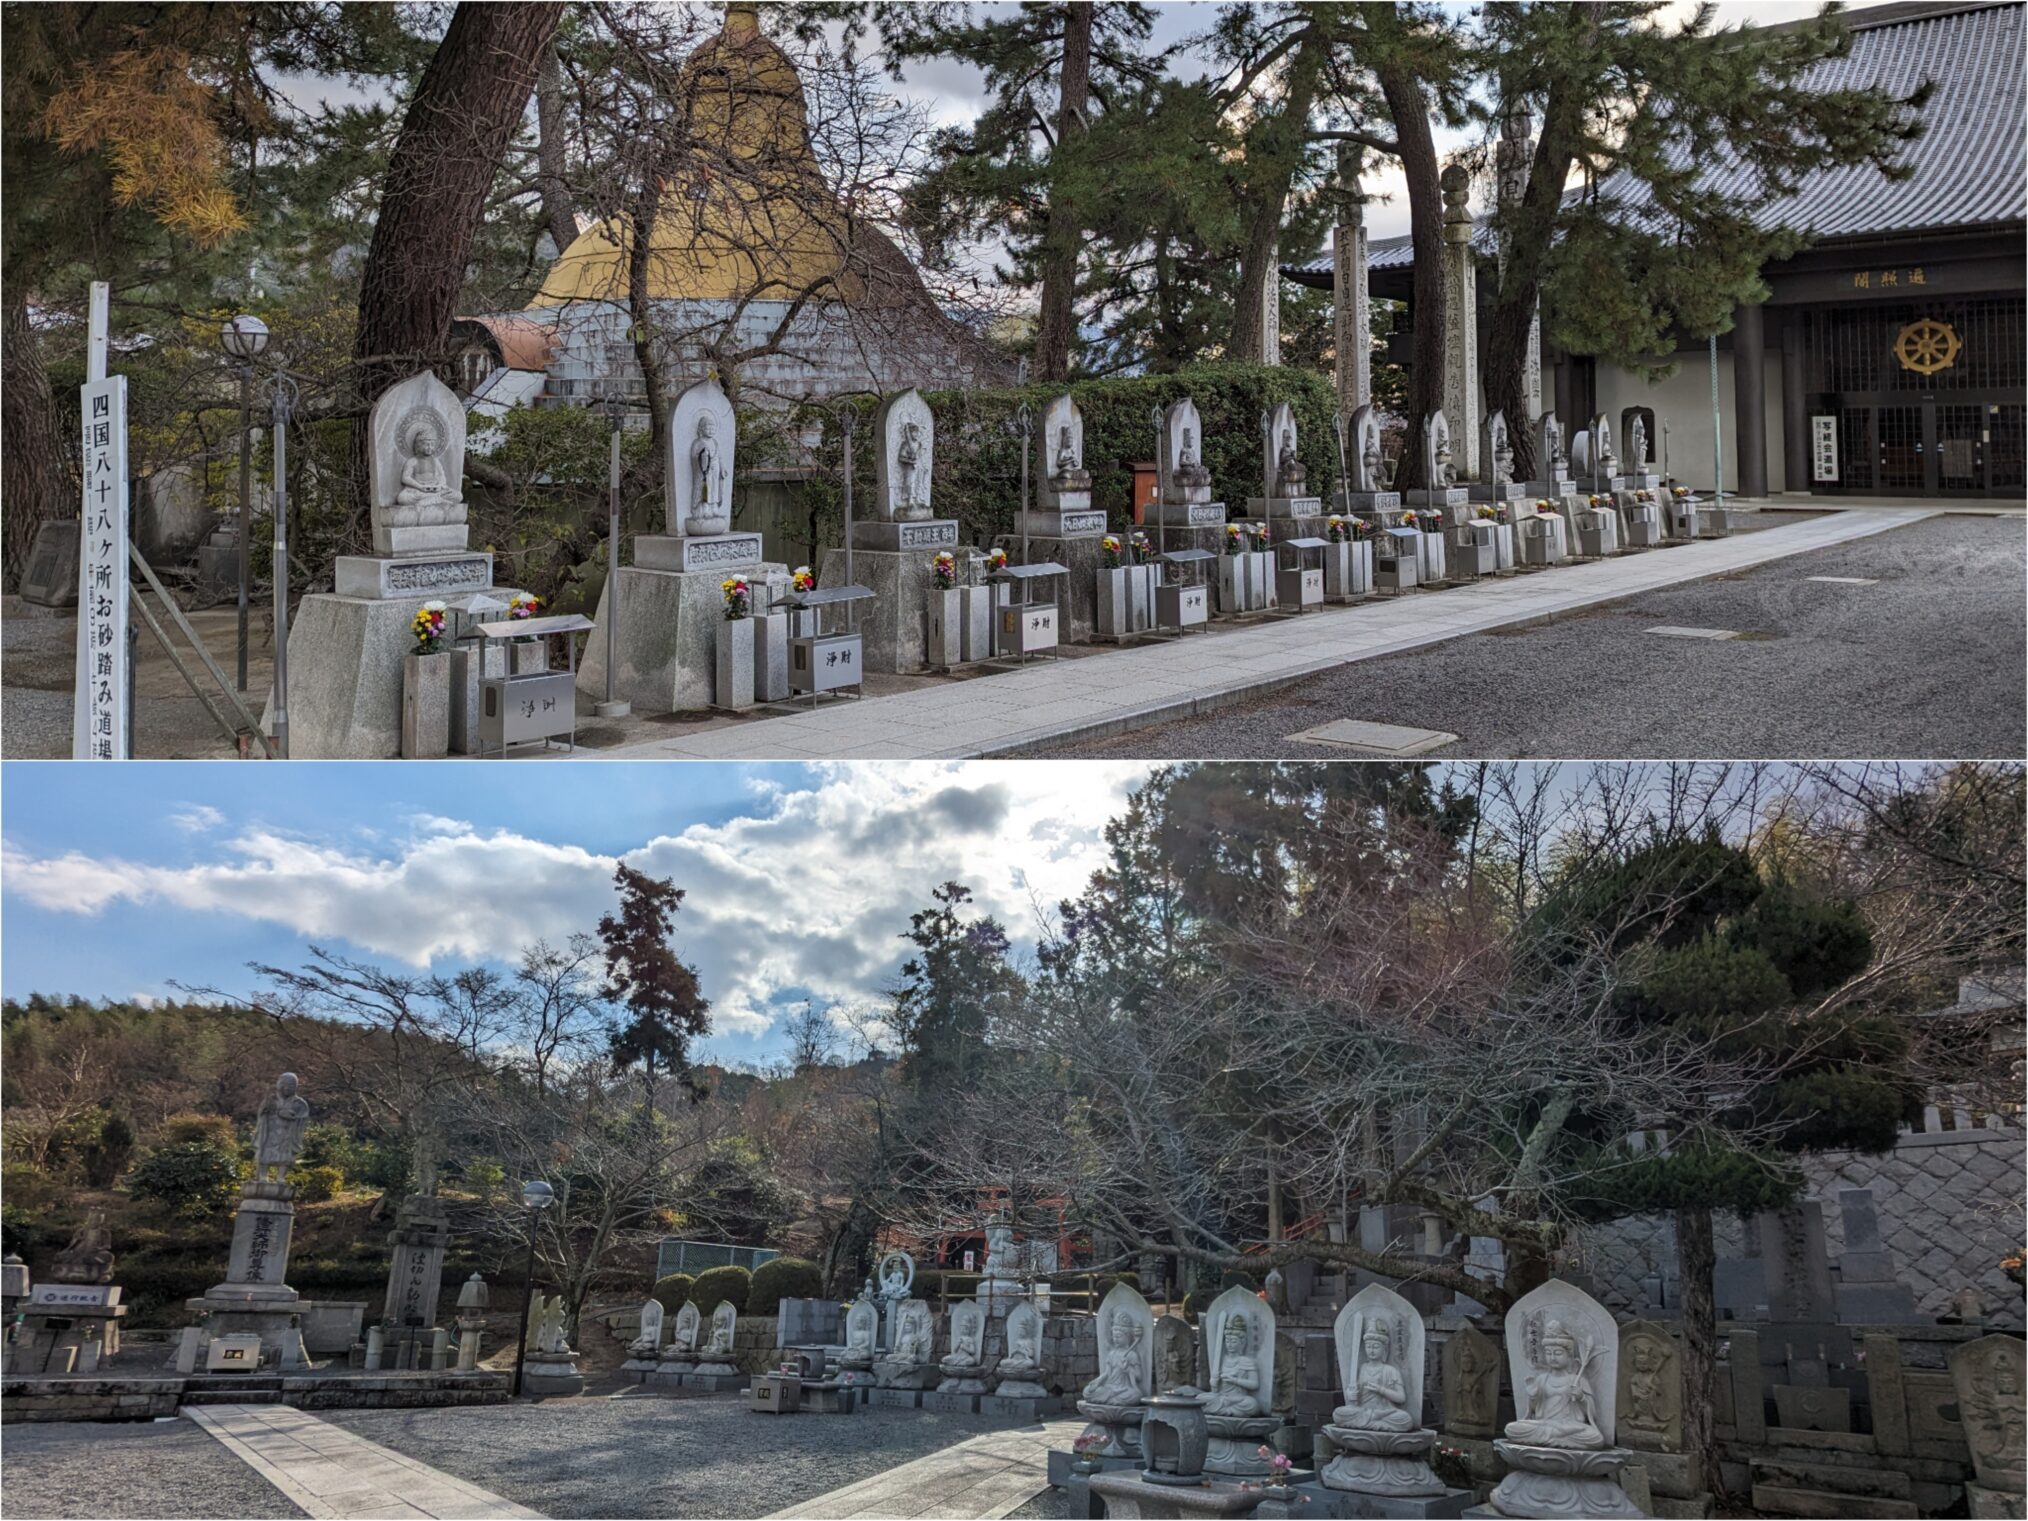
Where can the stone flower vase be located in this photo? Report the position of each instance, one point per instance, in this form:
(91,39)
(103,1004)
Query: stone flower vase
(426,706)
(945,627)
(734,688)
(1115,609)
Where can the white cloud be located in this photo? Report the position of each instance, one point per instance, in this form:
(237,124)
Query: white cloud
(804,894)
(197,817)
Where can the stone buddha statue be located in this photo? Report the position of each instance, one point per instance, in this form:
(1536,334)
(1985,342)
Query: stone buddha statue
(1558,1408)
(967,1344)
(706,508)
(1066,452)
(1119,1381)
(1190,470)
(1236,1390)
(424,497)
(907,455)
(1290,473)
(1379,1399)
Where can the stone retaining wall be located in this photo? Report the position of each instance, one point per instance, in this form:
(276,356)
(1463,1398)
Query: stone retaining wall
(88,1399)
(145,1399)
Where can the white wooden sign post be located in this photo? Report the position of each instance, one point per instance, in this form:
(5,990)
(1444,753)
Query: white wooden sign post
(104,674)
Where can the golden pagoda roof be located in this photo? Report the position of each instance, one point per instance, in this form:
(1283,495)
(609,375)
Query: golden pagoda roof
(745,212)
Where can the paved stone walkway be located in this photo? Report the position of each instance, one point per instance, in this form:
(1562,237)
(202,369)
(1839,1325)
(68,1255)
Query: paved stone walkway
(980,1479)
(331,1473)
(1105,694)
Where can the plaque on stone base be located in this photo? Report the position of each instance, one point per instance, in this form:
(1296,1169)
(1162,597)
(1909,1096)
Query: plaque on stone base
(382,577)
(1067,524)
(894,537)
(1189,514)
(688,552)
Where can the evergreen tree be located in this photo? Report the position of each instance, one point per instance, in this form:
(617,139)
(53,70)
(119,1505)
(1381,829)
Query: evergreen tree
(665,1009)
(1024,170)
(950,993)
(1614,92)
(1730,966)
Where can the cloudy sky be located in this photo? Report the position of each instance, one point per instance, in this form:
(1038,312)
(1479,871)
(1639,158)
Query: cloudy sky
(800,879)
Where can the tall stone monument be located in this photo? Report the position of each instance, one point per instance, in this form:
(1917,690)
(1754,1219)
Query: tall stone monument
(421,1236)
(670,601)
(1511,159)
(346,645)
(1988,1376)
(255,1298)
(1063,484)
(895,546)
(1461,318)
(1351,303)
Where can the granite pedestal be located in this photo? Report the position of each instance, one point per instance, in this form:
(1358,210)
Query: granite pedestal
(1019,1407)
(893,626)
(898,1399)
(546,1375)
(345,670)
(668,645)
(1077,593)
(1128,1497)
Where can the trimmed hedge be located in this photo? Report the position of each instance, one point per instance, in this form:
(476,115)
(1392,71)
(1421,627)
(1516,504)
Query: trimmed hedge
(977,463)
(670,1292)
(782,1278)
(721,1285)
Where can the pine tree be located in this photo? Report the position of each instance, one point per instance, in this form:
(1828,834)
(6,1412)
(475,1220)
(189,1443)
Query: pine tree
(665,1008)
(1621,283)
(1731,964)
(1023,168)
(950,993)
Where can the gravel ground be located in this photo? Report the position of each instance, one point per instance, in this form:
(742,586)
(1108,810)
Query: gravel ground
(648,1456)
(1928,663)
(160,1468)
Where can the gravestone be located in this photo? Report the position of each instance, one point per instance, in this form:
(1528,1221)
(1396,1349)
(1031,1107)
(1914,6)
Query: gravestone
(1175,1354)
(1868,1293)
(421,1236)
(51,577)
(1471,1384)
(1988,1376)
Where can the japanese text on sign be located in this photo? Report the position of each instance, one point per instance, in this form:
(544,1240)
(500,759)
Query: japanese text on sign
(100,726)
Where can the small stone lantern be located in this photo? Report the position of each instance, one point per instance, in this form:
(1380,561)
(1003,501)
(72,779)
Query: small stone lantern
(473,1300)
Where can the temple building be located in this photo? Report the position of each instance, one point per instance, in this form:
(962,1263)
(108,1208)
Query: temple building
(1890,358)
(756,269)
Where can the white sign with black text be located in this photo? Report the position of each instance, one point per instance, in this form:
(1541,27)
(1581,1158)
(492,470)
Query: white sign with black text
(99,730)
(1823,448)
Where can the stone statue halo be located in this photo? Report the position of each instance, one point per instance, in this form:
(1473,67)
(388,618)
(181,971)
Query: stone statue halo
(417,421)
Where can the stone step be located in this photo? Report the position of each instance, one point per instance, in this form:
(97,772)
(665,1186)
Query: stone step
(1781,1500)
(1884,1483)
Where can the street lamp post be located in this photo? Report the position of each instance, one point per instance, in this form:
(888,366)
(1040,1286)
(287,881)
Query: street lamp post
(282,392)
(536,1196)
(614,400)
(243,338)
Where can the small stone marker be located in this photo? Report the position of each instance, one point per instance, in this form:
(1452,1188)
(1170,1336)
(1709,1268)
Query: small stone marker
(1378,739)
(1674,631)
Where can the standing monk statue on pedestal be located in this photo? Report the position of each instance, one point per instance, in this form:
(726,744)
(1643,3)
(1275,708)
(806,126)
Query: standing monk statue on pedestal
(278,1133)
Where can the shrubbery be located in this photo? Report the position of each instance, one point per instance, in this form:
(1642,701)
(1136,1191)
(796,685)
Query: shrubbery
(193,1170)
(672,1291)
(782,1278)
(721,1285)
(314,1185)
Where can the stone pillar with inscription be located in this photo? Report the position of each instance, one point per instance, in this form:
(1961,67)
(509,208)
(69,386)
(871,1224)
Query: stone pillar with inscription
(893,553)
(1461,321)
(1351,301)
(421,1234)
(671,600)
(346,645)
(255,1297)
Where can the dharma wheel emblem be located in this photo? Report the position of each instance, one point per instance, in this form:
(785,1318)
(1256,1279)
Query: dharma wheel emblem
(1927,346)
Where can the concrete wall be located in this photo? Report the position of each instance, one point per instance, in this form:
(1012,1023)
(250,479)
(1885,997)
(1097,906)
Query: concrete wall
(1684,402)
(1950,1208)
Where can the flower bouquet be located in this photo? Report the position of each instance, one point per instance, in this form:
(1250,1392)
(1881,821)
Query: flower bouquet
(428,628)
(524,606)
(944,570)
(803,579)
(1487,515)
(1235,539)
(996,559)
(1336,532)
(738,598)
(1143,547)
(1260,536)
(1086,1449)
(1109,546)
